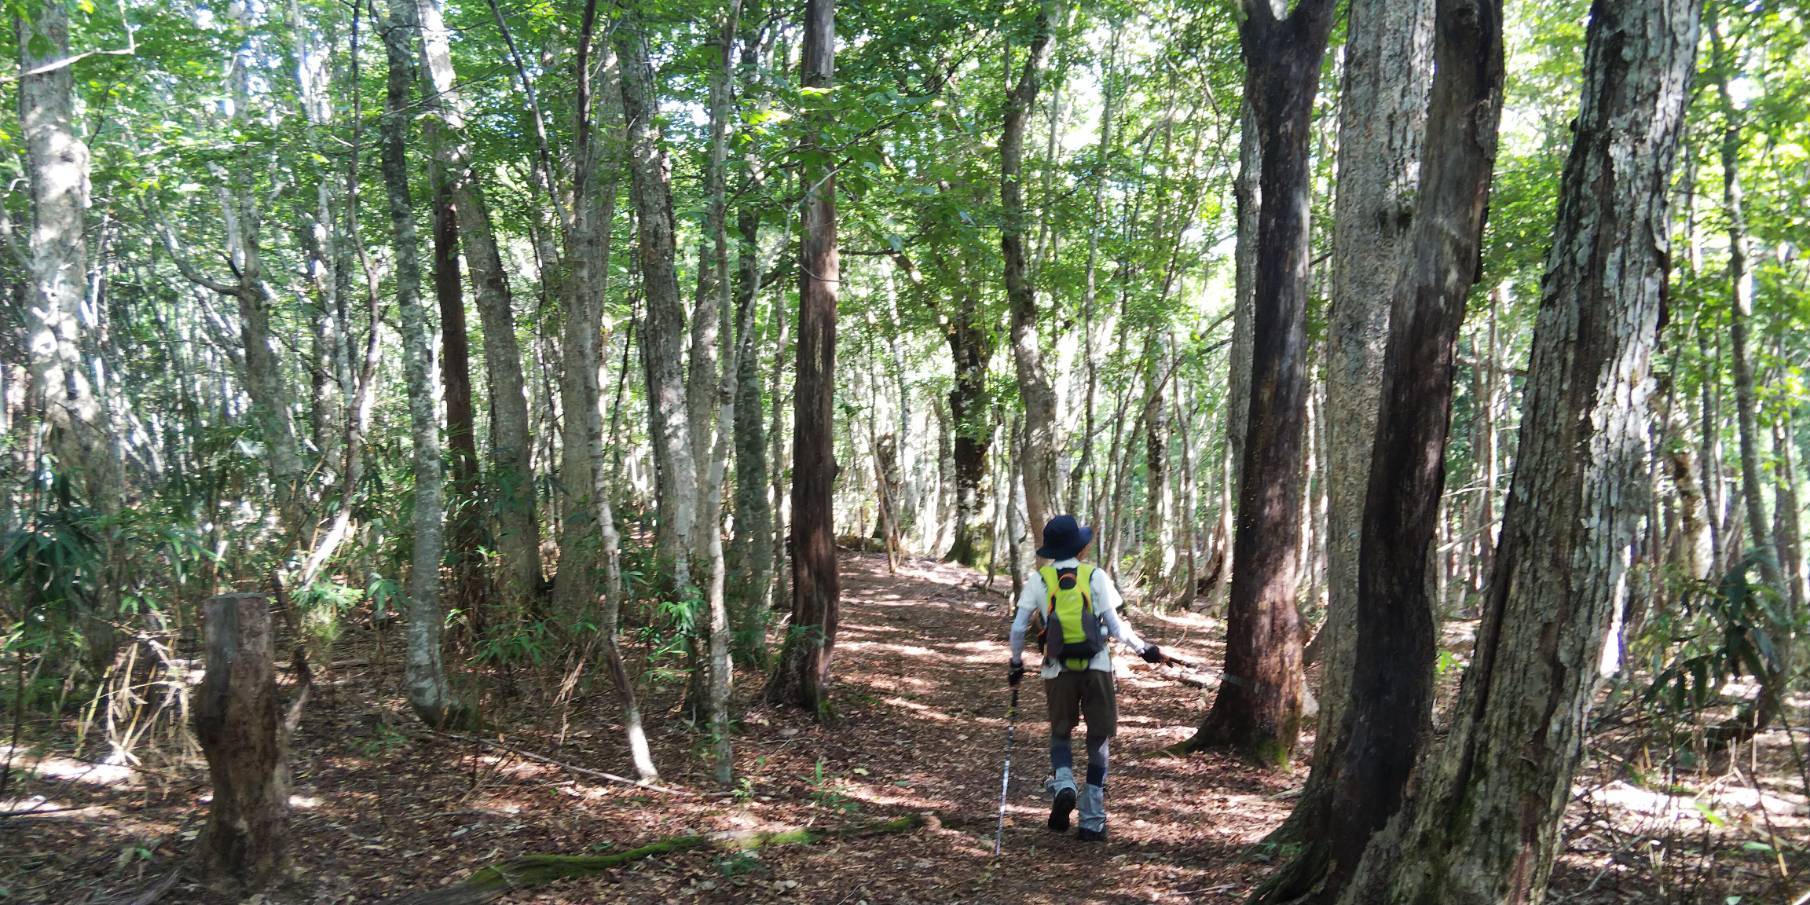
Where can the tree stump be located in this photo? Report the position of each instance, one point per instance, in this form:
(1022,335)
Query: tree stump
(238,721)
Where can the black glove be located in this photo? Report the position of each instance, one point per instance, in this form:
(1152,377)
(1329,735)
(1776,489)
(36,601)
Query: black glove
(1153,654)
(1015,673)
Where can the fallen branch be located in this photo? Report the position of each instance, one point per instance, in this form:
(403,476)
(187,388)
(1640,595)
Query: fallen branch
(494,881)
(571,768)
(1195,674)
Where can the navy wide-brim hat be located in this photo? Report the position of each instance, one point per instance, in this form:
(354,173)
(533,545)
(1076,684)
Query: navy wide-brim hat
(1064,538)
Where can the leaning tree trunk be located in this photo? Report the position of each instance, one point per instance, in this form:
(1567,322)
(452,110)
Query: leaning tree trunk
(1382,105)
(1391,684)
(1260,715)
(662,342)
(1482,824)
(518,531)
(802,676)
(609,539)
(1038,457)
(425,672)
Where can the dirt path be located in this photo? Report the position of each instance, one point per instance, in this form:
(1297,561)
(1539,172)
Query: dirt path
(384,808)
(922,668)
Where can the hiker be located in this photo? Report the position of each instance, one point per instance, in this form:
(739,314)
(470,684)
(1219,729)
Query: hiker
(1079,606)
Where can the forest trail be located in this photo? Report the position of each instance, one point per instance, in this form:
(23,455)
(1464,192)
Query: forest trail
(921,670)
(383,808)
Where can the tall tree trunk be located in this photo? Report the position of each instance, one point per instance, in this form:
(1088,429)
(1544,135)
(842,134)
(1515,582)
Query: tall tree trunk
(1482,824)
(1156,553)
(1391,690)
(705,327)
(803,673)
(317,231)
(518,530)
(1260,715)
(1090,294)
(57,161)
(1247,192)
(455,378)
(425,676)
(264,381)
(781,598)
(58,326)
(1788,535)
(1740,284)
(1709,399)
(750,548)
(1382,106)
(1689,555)
(711,473)
(971,346)
(581,439)
(675,469)
(1038,461)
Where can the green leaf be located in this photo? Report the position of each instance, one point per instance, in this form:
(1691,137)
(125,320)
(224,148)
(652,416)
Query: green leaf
(1714,818)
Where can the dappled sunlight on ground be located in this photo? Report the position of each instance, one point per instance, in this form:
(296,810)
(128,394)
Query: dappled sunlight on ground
(920,726)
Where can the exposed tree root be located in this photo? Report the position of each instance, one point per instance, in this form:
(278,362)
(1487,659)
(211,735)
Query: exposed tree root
(493,881)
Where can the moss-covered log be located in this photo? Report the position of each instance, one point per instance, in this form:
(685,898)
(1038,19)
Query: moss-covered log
(493,881)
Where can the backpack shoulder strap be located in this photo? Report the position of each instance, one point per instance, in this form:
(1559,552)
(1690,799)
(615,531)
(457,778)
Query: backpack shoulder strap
(1051,584)
(1084,579)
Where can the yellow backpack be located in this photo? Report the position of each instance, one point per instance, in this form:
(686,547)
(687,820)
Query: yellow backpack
(1073,632)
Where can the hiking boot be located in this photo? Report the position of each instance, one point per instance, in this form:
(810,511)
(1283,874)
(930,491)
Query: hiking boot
(1060,809)
(1086,835)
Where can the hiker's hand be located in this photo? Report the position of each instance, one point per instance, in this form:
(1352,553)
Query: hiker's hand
(1153,654)
(1015,673)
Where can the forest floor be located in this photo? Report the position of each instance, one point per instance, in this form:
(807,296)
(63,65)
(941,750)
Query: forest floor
(383,808)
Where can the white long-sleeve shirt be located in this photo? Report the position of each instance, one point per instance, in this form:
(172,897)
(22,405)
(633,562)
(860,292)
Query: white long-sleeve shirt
(1106,605)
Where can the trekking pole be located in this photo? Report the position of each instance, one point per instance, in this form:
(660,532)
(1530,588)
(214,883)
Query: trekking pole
(1005,778)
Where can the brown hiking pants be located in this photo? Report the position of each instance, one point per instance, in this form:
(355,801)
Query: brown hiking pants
(1085,693)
